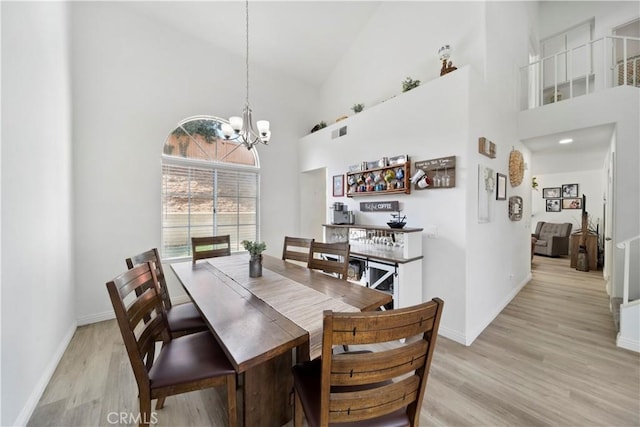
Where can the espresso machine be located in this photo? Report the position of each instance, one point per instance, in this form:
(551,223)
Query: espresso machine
(341,215)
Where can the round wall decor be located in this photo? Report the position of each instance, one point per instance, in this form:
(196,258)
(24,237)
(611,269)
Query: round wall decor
(516,168)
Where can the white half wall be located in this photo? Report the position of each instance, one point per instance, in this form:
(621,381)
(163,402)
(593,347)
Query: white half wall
(38,292)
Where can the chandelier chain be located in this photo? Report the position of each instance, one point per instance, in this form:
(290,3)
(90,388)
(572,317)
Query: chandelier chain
(247,47)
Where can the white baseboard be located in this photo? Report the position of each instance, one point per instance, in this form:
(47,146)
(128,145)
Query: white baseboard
(41,385)
(451,334)
(95,318)
(108,315)
(473,334)
(627,343)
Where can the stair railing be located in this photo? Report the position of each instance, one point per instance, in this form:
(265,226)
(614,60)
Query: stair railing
(626,245)
(533,74)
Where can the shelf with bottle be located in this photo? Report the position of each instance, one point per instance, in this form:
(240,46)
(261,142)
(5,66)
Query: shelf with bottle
(384,179)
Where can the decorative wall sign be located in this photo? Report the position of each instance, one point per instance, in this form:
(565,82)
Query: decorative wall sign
(438,173)
(486,187)
(486,147)
(392,206)
(515,208)
(338,185)
(501,182)
(516,168)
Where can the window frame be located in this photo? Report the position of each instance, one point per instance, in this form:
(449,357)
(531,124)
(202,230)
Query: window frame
(213,166)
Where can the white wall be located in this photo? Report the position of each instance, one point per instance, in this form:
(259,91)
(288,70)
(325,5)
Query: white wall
(134,79)
(475,268)
(442,132)
(38,306)
(589,183)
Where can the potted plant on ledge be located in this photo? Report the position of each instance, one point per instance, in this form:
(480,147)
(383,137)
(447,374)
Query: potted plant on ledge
(255,249)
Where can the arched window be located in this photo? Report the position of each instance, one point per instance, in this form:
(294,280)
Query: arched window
(210,186)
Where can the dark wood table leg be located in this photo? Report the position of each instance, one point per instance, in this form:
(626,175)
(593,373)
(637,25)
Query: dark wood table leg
(266,393)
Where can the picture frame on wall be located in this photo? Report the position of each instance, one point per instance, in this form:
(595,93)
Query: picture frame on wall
(338,185)
(551,193)
(573,203)
(501,185)
(553,205)
(569,190)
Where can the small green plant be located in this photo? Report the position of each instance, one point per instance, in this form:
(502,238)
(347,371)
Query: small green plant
(409,84)
(534,183)
(319,126)
(357,108)
(254,248)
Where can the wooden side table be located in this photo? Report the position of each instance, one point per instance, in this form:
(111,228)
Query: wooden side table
(591,243)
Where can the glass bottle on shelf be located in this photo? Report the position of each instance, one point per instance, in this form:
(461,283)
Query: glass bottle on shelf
(446,179)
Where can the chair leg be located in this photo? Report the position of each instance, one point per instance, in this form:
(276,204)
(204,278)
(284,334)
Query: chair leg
(231,400)
(145,409)
(297,411)
(160,402)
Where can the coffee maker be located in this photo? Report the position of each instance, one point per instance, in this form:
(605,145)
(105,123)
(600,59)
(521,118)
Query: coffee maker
(340,214)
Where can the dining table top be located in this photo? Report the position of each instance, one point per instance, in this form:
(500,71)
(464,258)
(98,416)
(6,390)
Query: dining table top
(256,319)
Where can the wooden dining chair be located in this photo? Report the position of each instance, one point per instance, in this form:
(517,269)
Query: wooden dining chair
(330,258)
(210,247)
(184,318)
(296,249)
(382,387)
(184,364)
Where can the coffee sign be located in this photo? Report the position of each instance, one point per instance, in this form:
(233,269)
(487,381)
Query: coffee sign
(392,206)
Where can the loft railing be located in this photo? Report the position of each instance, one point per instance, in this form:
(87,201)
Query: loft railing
(626,245)
(596,65)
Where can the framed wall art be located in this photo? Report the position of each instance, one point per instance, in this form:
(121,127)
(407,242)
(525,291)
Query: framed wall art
(551,193)
(569,190)
(501,185)
(573,203)
(553,205)
(338,185)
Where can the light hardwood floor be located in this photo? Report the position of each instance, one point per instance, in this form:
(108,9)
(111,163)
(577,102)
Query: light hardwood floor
(548,359)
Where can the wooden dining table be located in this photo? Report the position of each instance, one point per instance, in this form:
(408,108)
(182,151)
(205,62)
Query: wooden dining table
(265,323)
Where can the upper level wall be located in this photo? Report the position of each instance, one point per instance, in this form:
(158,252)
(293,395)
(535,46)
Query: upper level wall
(557,16)
(402,40)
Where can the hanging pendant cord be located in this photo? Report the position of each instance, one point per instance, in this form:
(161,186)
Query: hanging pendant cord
(247,47)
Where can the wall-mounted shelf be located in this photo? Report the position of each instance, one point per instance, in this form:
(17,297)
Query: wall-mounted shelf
(439,173)
(392,179)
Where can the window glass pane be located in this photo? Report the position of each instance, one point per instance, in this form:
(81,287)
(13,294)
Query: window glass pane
(202,138)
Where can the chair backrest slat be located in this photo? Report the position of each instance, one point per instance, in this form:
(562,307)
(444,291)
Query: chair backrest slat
(358,386)
(296,248)
(154,256)
(348,369)
(366,404)
(330,258)
(210,247)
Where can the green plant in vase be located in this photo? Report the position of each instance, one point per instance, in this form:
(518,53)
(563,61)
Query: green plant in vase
(255,249)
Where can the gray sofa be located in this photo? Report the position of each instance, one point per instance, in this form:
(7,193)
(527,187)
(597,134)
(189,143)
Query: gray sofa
(552,239)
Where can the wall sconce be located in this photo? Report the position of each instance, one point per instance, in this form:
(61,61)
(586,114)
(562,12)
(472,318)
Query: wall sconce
(444,53)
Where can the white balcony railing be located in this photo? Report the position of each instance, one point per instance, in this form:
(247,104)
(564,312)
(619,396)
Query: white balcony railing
(596,65)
